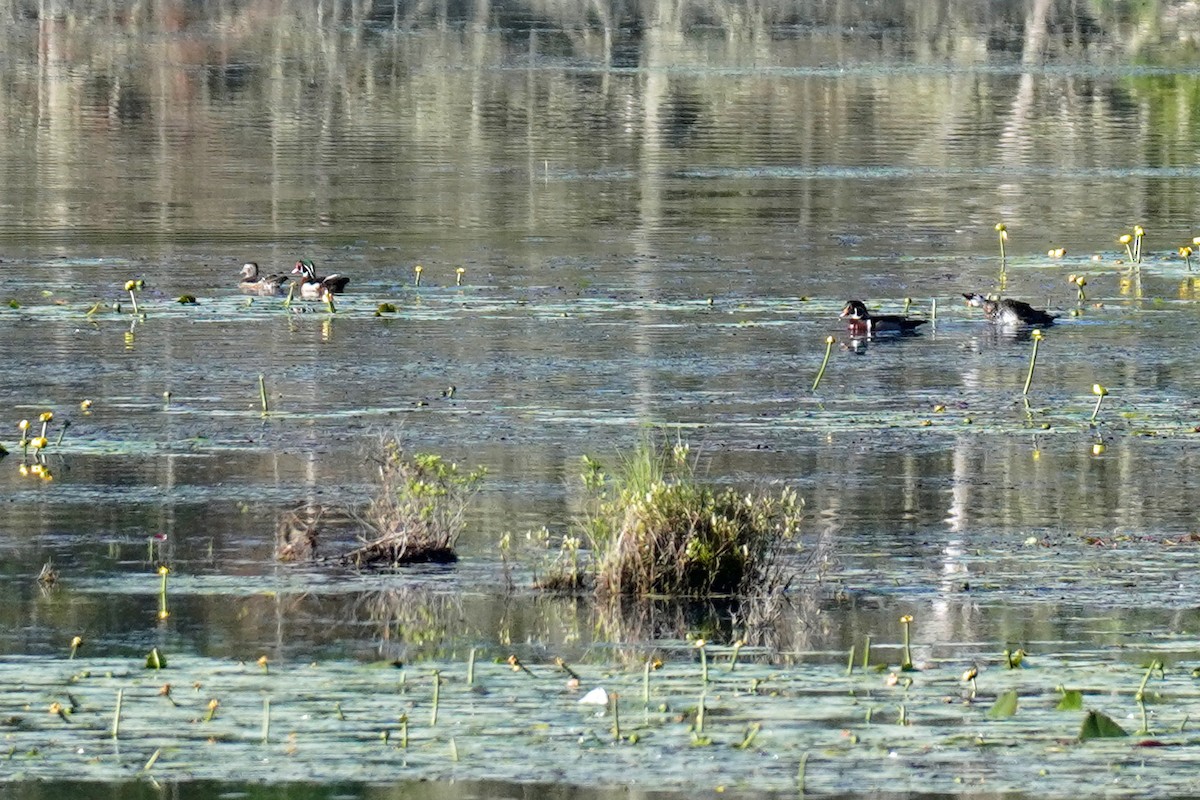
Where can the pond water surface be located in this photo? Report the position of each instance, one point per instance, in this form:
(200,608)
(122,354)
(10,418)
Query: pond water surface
(659,211)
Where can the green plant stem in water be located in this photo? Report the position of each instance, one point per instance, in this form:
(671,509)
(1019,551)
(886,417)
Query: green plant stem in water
(646,684)
(906,621)
(262,394)
(437,683)
(850,661)
(801,772)
(163,613)
(824,362)
(1100,393)
(266,721)
(1037,339)
(471,668)
(700,716)
(116,728)
(737,646)
(616,715)
(866,661)
(703,663)
(62,433)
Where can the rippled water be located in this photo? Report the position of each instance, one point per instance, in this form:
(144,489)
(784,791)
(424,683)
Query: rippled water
(658,220)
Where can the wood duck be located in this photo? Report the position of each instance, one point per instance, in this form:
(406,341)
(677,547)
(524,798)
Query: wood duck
(313,287)
(260,284)
(1010,312)
(863,322)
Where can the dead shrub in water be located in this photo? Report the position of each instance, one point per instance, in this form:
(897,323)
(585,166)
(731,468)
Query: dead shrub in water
(417,511)
(298,533)
(656,530)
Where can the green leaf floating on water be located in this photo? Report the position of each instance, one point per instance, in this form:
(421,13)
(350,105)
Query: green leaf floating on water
(156,660)
(1004,707)
(1072,700)
(1100,726)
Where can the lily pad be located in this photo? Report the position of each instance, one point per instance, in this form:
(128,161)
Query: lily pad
(1098,725)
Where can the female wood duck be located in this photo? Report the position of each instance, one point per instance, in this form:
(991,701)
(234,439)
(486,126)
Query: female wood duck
(1010,312)
(313,287)
(863,322)
(260,284)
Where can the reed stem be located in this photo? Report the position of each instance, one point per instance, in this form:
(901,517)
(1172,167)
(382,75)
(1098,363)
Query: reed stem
(824,362)
(1100,393)
(266,721)
(866,661)
(471,668)
(163,613)
(616,714)
(646,684)
(116,726)
(262,394)
(1037,339)
(906,621)
(437,684)
(850,662)
(737,646)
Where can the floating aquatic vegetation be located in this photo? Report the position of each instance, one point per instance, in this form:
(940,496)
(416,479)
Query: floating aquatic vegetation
(519,721)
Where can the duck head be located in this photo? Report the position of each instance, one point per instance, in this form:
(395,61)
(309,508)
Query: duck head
(855,310)
(250,271)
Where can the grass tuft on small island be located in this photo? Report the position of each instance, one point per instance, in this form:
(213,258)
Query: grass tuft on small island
(656,530)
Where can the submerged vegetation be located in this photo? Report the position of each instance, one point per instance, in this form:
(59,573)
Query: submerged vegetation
(655,529)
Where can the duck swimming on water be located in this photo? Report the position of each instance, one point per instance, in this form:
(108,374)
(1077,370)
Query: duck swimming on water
(1010,312)
(260,284)
(313,287)
(863,322)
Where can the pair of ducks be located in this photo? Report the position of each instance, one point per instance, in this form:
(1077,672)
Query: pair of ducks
(312,286)
(1010,313)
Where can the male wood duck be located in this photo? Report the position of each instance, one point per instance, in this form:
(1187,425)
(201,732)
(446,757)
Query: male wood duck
(313,287)
(1010,312)
(863,322)
(260,284)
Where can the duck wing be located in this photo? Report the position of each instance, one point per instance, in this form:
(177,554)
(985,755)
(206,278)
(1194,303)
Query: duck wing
(335,283)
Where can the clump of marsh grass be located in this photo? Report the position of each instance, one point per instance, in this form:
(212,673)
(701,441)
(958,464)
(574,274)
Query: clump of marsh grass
(656,530)
(418,509)
(568,572)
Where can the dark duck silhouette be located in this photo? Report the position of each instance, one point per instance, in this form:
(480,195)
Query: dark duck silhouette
(1011,313)
(260,284)
(314,287)
(863,322)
